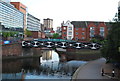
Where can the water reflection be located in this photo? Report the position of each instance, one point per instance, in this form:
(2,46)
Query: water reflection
(49,66)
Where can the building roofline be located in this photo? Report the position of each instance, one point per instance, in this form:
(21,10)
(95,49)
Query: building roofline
(33,16)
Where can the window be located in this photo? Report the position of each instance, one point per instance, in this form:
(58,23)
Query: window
(76,28)
(76,38)
(70,28)
(83,28)
(102,31)
(101,28)
(83,33)
(83,37)
(92,28)
(92,31)
(64,37)
(64,28)
(65,33)
(69,37)
(91,34)
(69,33)
(102,34)
(76,33)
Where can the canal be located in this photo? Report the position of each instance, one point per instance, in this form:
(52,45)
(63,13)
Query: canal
(50,65)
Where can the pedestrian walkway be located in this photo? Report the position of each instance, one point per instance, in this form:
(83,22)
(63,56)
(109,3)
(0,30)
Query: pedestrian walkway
(91,70)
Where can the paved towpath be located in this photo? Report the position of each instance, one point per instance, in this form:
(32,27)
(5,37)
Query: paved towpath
(91,70)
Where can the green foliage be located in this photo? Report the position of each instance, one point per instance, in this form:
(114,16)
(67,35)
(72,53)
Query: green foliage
(110,49)
(28,33)
(55,35)
(9,34)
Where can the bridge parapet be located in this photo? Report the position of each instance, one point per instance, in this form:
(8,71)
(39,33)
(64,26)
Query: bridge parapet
(60,44)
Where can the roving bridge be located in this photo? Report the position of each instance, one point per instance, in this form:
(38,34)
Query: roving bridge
(60,43)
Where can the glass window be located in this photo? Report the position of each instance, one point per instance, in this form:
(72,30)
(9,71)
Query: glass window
(64,28)
(92,31)
(102,34)
(76,38)
(69,33)
(83,37)
(83,28)
(69,37)
(64,37)
(76,28)
(76,33)
(83,33)
(65,33)
(102,31)
(70,28)
(101,28)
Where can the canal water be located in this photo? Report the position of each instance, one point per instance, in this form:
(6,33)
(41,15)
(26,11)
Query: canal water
(50,65)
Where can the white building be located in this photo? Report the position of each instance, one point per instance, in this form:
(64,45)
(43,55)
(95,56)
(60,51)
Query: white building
(70,30)
(33,23)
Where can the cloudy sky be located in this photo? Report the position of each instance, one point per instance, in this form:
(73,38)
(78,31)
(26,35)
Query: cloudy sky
(73,10)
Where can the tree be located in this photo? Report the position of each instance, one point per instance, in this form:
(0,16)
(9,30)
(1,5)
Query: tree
(55,35)
(28,33)
(110,49)
(98,39)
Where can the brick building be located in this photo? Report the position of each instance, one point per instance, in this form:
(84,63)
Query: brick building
(84,30)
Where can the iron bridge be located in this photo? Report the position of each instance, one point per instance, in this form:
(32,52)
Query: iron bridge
(59,43)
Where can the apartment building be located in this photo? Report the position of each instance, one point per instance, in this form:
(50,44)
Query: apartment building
(84,30)
(67,30)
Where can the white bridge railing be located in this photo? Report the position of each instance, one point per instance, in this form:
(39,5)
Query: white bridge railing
(61,44)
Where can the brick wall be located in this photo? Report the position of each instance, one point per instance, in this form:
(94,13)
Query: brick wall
(64,32)
(11,50)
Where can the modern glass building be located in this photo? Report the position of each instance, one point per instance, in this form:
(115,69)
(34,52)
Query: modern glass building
(11,18)
(33,23)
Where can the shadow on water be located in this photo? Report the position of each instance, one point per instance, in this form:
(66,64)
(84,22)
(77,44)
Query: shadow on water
(50,65)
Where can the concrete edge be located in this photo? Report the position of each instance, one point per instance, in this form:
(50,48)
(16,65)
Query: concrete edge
(77,71)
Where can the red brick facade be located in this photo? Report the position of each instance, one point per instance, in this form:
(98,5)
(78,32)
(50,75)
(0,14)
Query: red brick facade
(64,32)
(36,34)
(82,32)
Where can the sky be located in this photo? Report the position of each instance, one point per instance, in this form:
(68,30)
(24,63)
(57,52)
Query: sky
(73,10)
